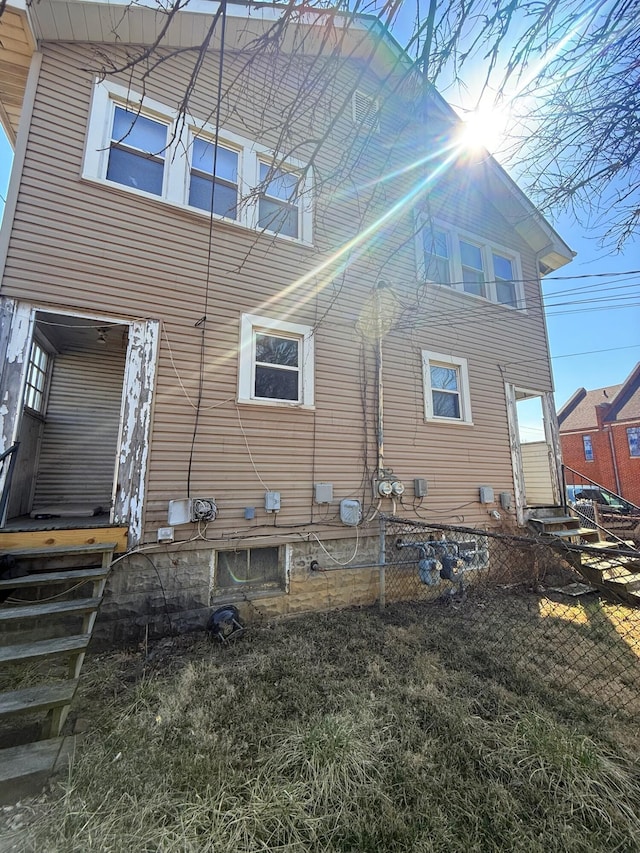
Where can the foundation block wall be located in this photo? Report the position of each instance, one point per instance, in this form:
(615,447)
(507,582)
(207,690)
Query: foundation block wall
(153,593)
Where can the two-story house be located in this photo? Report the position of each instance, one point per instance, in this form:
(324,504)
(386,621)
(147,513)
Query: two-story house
(254,294)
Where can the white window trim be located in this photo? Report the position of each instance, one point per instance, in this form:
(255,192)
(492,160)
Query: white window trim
(488,249)
(249,324)
(177,156)
(429,358)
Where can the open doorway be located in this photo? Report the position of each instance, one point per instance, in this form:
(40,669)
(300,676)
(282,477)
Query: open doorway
(535,449)
(70,420)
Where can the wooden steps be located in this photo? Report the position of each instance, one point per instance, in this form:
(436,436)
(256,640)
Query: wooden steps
(37,698)
(46,619)
(44,648)
(30,758)
(36,610)
(46,578)
(602,563)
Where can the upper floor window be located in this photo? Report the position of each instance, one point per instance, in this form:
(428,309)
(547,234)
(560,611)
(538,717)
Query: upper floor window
(278,208)
(435,244)
(446,388)
(588,448)
(213,181)
(276,362)
(136,151)
(448,256)
(144,146)
(633,437)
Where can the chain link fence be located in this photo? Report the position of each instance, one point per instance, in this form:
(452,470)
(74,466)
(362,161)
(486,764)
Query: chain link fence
(565,615)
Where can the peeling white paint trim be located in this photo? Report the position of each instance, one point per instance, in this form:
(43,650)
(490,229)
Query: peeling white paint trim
(135,433)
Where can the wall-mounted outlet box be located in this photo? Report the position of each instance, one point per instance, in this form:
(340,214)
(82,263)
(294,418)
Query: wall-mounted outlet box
(272,501)
(419,487)
(323,493)
(505,500)
(350,512)
(165,534)
(486,495)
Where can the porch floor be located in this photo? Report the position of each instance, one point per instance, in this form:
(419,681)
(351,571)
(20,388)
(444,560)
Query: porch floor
(25,522)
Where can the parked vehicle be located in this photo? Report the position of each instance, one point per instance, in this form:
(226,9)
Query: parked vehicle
(608,502)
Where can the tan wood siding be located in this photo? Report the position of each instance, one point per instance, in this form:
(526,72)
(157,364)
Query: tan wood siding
(84,246)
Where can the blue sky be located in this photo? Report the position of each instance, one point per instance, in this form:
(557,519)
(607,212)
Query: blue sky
(594,336)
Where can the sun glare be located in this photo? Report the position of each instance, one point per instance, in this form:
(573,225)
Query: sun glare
(484,128)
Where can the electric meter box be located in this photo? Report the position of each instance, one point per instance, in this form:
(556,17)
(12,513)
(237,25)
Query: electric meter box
(350,512)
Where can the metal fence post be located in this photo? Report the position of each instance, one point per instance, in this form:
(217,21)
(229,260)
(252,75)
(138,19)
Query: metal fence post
(382,558)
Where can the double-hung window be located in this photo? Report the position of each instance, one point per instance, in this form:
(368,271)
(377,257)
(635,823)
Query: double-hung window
(137,151)
(278,204)
(503,270)
(276,362)
(145,147)
(469,265)
(446,388)
(633,439)
(435,244)
(472,263)
(588,448)
(217,193)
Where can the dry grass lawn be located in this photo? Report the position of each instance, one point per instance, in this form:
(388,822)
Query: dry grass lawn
(414,729)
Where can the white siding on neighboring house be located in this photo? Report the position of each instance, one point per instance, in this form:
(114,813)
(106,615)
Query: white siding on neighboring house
(537,477)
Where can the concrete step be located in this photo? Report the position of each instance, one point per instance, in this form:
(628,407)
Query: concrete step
(72,576)
(44,648)
(49,608)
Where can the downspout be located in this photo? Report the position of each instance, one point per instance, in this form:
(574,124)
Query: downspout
(380,405)
(614,460)
(380,443)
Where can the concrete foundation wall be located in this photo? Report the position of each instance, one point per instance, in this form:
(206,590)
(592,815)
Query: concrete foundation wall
(153,593)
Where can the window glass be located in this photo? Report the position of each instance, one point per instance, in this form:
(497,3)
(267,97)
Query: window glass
(282,185)
(633,437)
(436,253)
(505,285)
(136,155)
(277,374)
(588,448)
(138,131)
(472,268)
(278,204)
(225,197)
(445,391)
(257,566)
(34,395)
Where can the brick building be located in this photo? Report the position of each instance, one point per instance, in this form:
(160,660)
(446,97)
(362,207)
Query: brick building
(600,435)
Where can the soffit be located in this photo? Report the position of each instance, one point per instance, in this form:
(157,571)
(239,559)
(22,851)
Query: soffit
(16,48)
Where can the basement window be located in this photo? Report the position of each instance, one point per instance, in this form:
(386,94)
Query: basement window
(248,568)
